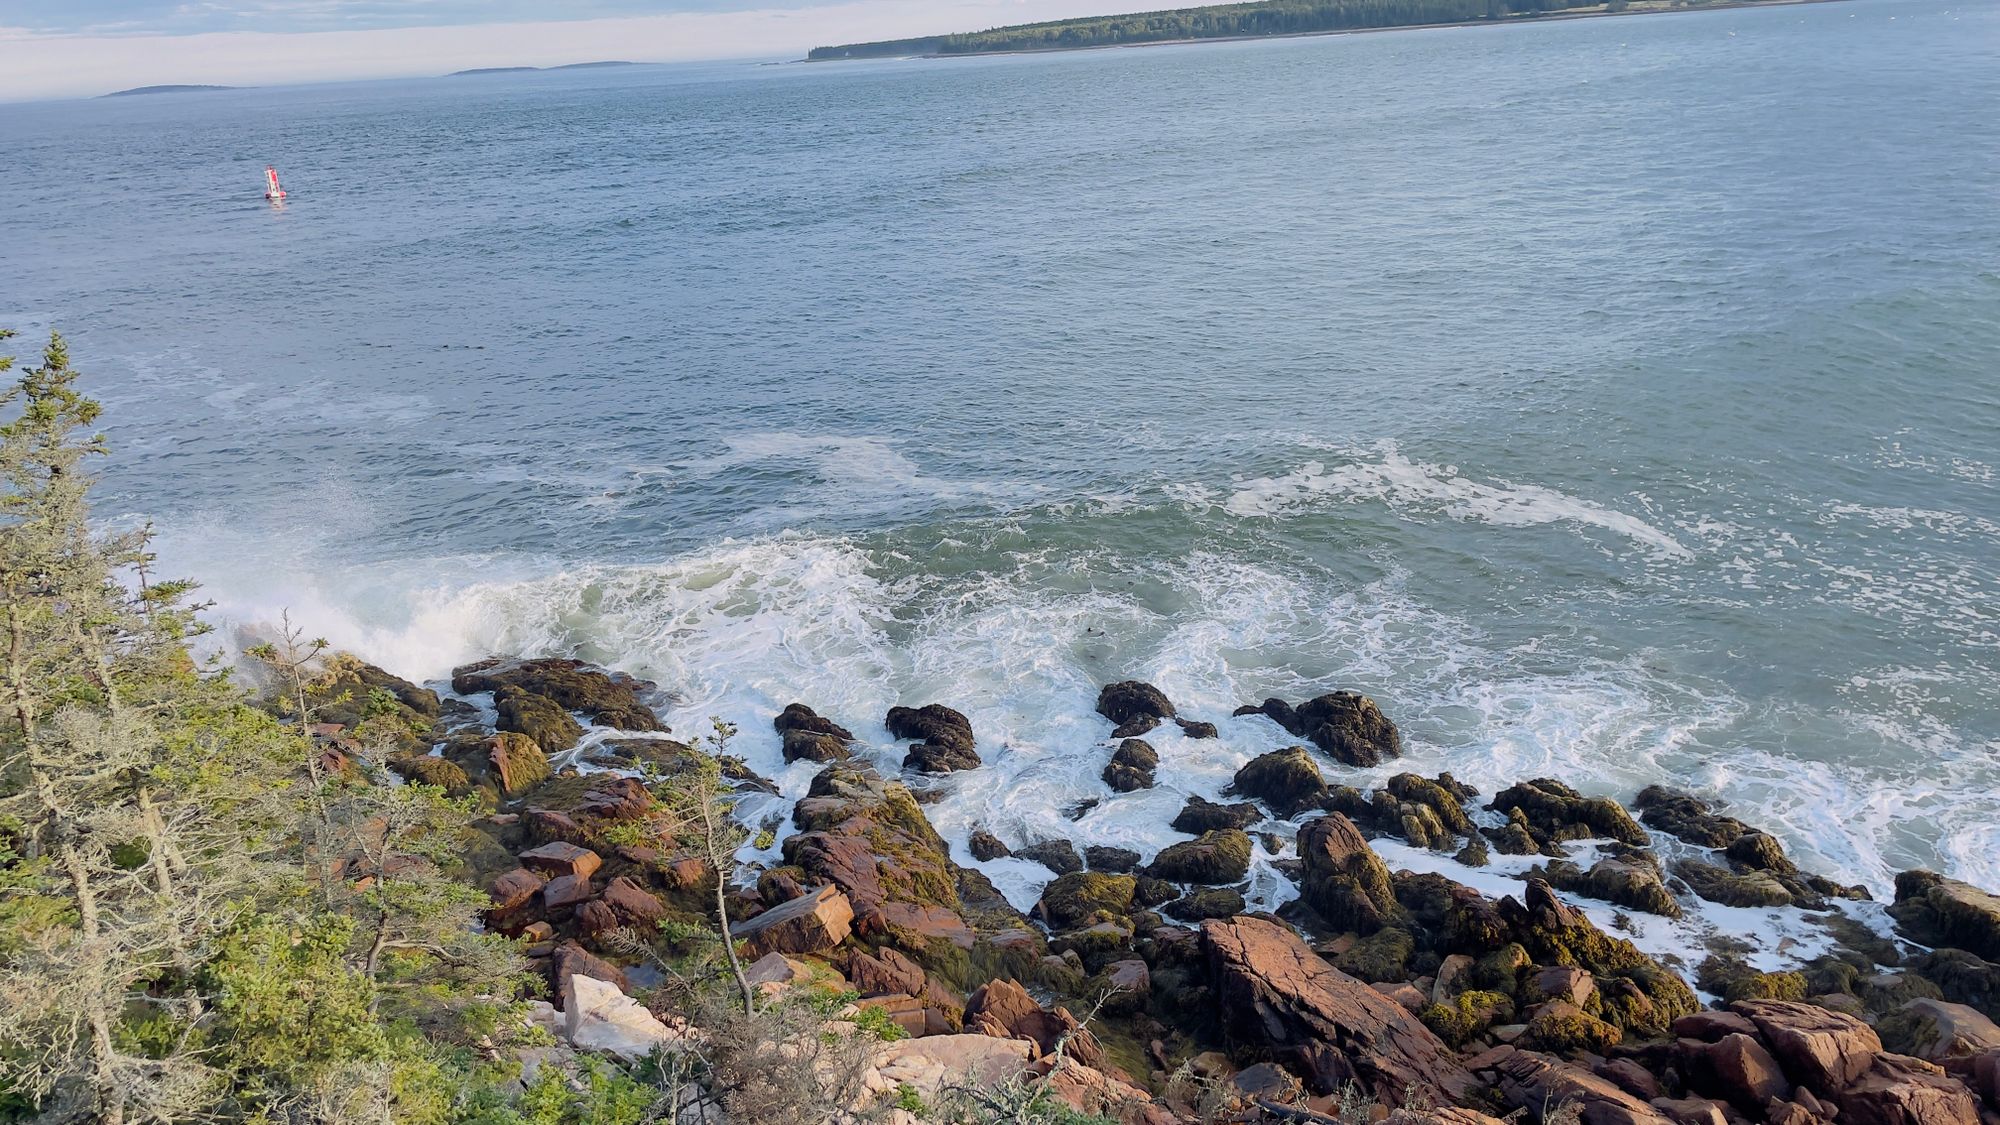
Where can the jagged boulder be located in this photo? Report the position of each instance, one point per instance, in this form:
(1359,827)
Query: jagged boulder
(1632,881)
(1277,998)
(1554,813)
(1004,1010)
(945,741)
(1938,911)
(806,736)
(1899,1090)
(1344,880)
(1131,766)
(1202,815)
(1821,1049)
(811,923)
(1288,781)
(1539,1085)
(1059,856)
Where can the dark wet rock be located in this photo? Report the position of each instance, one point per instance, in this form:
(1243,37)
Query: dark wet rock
(1219,856)
(1288,781)
(798,716)
(1130,699)
(1202,815)
(1720,884)
(1136,727)
(1474,853)
(1344,880)
(1077,810)
(1554,812)
(1118,861)
(1960,977)
(1937,911)
(1148,892)
(1208,902)
(538,717)
(1278,999)
(1059,856)
(1687,817)
(1086,898)
(813,746)
(1348,726)
(1194,728)
(1132,765)
(1632,881)
(610,699)
(945,741)
(985,845)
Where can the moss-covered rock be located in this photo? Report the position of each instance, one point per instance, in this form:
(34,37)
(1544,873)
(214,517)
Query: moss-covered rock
(1131,766)
(1554,812)
(1208,902)
(1564,1029)
(1687,817)
(1344,880)
(1288,781)
(1381,957)
(1085,898)
(1220,856)
(426,770)
(1720,884)
(1633,881)
(1639,994)
(1467,1016)
(538,717)
(1937,911)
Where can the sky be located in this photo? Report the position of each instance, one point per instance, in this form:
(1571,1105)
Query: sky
(79,48)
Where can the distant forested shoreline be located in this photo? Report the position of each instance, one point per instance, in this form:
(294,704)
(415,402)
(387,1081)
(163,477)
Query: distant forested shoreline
(1240,21)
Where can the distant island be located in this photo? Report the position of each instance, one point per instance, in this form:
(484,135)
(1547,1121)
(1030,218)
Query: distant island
(1255,20)
(138,90)
(531,69)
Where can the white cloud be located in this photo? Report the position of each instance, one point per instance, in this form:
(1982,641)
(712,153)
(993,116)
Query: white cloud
(73,66)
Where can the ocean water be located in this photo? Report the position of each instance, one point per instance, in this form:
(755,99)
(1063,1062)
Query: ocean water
(1614,400)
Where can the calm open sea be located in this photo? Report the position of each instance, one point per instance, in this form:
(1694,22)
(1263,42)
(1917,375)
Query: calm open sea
(1615,400)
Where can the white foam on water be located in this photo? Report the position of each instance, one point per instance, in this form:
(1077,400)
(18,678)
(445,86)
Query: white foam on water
(741,628)
(1394,479)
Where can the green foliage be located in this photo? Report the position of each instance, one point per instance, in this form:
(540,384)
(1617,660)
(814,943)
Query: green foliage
(608,1096)
(291,1005)
(876,1021)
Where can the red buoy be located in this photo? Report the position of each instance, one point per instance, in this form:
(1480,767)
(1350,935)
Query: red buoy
(272,191)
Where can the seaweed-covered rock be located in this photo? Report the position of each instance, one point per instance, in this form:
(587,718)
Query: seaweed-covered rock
(423,769)
(1286,780)
(1205,903)
(1687,817)
(1278,999)
(1132,765)
(1058,856)
(1220,856)
(1202,815)
(1938,911)
(538,717)
(1962,978)
(1344,880)
(1632,881)
(1554,812)
(506,765)
(945,738)
(1131,699)
(610,699)
(1086,898)
(1429,814)
(1562,1028)
(1720,884)
(1638,994)
(350,692)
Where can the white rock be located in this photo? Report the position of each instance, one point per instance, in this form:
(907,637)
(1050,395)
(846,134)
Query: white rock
(601,1018)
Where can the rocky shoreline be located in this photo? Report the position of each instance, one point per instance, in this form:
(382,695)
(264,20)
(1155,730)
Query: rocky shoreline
(1139,989)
